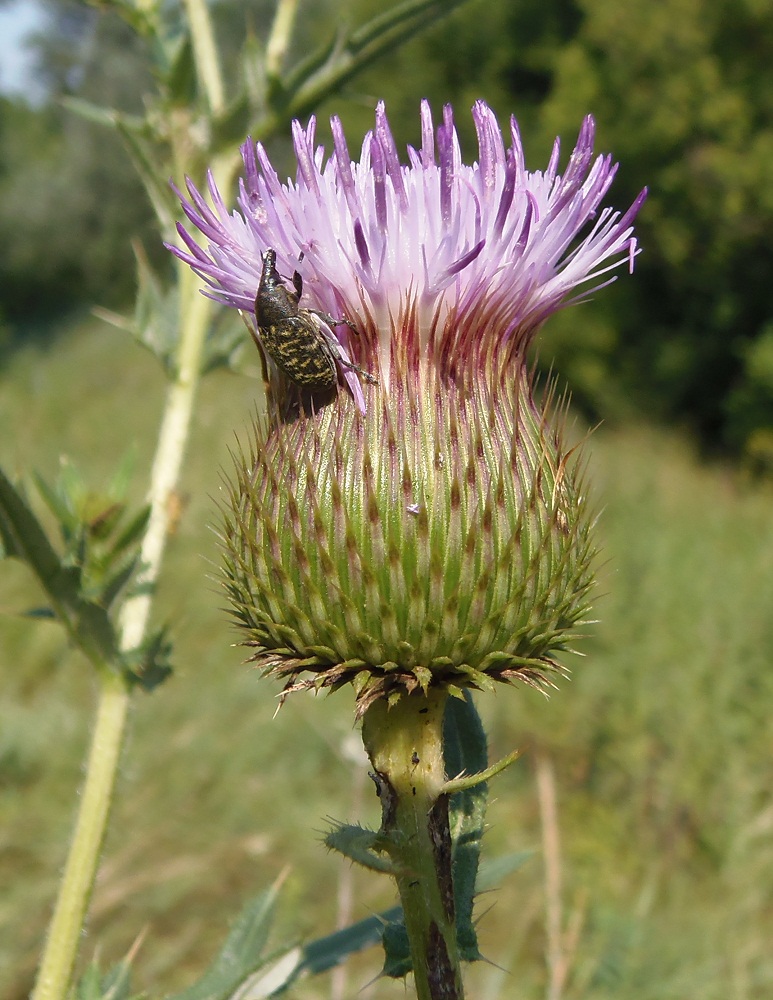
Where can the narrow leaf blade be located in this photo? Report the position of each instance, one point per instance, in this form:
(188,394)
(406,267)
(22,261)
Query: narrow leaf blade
(241,955)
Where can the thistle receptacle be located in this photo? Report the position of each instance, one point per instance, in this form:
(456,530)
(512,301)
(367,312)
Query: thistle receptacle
(429,528)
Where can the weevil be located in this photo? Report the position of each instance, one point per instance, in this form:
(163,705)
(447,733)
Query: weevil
(294,338)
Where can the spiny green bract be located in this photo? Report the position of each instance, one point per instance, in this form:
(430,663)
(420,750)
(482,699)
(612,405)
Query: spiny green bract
(427,543)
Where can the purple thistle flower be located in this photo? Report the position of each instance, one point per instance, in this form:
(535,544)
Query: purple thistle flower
(437,533)
(437,252)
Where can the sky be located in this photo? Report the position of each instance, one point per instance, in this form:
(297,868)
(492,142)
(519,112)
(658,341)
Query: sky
(17,19)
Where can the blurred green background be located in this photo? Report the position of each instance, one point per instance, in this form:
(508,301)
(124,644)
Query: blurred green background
(662,742)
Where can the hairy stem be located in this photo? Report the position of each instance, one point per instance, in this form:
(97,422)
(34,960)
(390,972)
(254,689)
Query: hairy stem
(64,932)
(279,39)
(405,745)
(75,890)
(205,53)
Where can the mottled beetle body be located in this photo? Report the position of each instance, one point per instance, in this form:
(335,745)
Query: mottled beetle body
(294,338)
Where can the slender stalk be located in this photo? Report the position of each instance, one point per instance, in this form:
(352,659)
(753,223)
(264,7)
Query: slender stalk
(405,745)
(75,890)
(102,768)
(205,53)
(167,464)
(279,39)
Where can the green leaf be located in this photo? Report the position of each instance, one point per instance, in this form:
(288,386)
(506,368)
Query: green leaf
(492,872)
(150,172)
(226,340)
(397,950)
(326,69)
(181,82)
(59,504)
(101,115)
(359,845)
(231,125)
(156,318)
(89,987)
(23,537)
(148,665)
(387,928)
(465,750)
(253,66)
(155,324)
(117,584)
(313,62)
(464,739)
(114,985)
(119,483)
(242,954)
(133,532)
(327,952)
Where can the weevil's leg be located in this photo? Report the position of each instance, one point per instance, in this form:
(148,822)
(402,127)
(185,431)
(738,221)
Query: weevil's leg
(331,321)
(335,351)
(360,371)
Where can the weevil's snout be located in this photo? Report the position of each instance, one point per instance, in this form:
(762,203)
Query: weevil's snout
(269,275)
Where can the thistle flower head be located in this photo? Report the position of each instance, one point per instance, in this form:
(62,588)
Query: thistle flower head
(429,526)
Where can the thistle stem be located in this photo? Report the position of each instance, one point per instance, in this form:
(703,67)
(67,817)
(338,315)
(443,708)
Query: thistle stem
(279,39)
(64,932)
(75,890)
(405,746)
(205,53)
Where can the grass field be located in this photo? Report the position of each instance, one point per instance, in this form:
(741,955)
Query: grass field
(661,744)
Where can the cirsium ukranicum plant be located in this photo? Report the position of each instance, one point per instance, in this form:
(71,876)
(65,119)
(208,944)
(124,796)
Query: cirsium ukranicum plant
(427,532)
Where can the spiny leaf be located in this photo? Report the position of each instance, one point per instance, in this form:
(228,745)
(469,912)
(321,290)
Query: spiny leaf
(492,872)
(317,76)
(117,583)
(150,172)
(156,320)
(101,115)
(133,531)
(114,985)
(58,503)
(225,343)
(242,954)
(465,750)
(359,845)
(148,665)
(180,78)
(119,483)
(397,950)
(327,952)
(23,537)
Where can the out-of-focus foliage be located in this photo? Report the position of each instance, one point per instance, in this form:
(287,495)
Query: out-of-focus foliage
(69,198)
(682,92)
